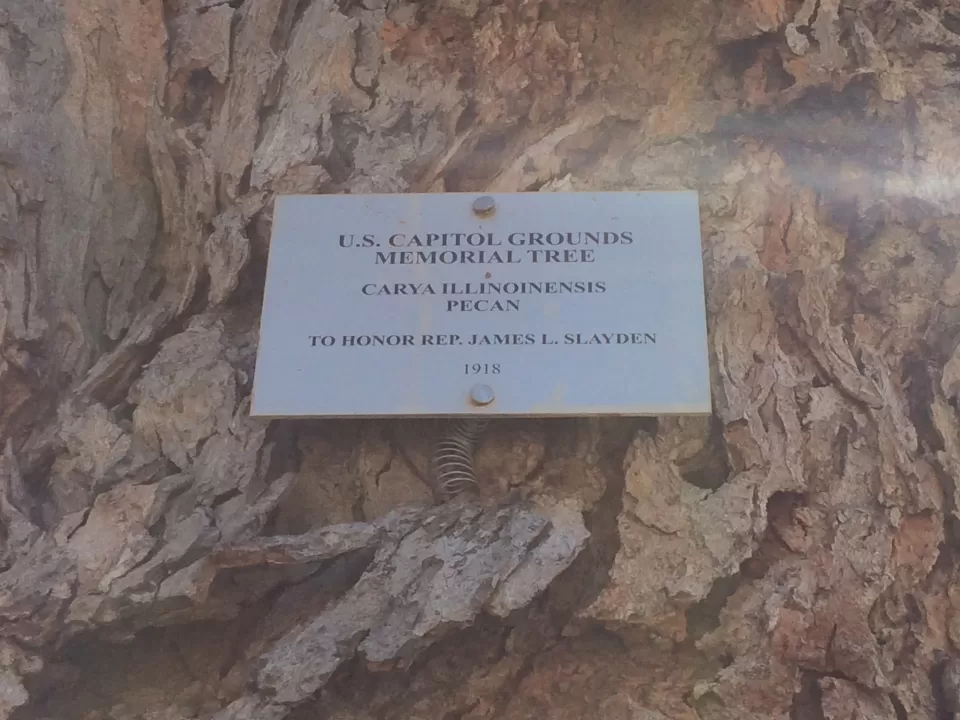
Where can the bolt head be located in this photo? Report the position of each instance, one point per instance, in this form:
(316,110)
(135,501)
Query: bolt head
(481,394)
(484,205)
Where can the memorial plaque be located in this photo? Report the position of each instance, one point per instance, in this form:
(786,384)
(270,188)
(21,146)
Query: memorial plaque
(532,304)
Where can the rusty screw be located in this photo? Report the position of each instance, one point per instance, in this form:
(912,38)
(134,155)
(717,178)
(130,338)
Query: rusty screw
(484,206)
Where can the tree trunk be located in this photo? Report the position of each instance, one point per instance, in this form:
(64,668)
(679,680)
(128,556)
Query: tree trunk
(165,556)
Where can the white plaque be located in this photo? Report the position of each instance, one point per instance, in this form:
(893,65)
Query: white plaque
(437,305)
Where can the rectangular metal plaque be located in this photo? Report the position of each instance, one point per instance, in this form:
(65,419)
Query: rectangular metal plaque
(423,305)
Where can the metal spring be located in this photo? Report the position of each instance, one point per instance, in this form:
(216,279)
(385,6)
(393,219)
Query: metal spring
(453,459)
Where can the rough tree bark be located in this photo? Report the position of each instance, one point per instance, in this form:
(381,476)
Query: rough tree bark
(166,557)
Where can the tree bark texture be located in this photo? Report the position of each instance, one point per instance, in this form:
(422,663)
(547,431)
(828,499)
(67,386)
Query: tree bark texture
(165,556)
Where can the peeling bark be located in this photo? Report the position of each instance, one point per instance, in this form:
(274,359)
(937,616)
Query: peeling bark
(164,555)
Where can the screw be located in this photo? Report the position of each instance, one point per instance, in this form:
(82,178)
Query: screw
(484,206)
(481,394)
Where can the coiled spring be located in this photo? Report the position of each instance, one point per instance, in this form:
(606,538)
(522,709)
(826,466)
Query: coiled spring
(453,459)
